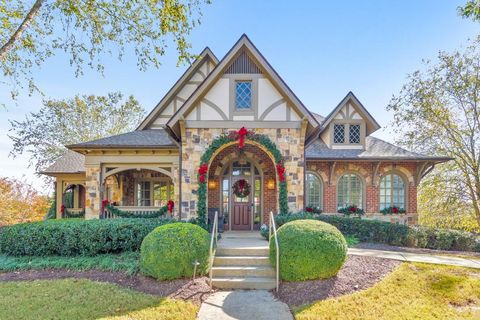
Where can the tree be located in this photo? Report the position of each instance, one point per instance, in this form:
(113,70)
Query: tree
(62,122)
(20,202)
(471,10)
(437,112)
(86,29)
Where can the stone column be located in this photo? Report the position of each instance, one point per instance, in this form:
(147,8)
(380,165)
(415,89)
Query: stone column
(176,191)
(59,197)
(93,197)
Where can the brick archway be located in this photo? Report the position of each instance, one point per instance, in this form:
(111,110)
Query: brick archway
(257,157)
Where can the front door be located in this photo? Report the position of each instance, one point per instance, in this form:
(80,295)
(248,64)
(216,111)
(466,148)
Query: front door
(242,207)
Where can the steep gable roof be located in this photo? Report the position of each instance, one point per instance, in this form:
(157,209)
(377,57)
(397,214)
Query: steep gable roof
(204,55)
(244,44)
(372,124)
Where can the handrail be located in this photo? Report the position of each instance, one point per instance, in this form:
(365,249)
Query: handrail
(277,249)
(213,239)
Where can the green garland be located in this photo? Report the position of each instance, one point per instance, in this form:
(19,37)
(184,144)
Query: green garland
(72,215)
(128,214)
(228,138)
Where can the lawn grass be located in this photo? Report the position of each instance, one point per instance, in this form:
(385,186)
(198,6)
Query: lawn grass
(127,261)
(85,299)
(413,291)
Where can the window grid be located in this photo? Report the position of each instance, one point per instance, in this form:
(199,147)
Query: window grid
(339,133)
(392,191)
(314,191)
(349,191)
(243,95)
(354,133)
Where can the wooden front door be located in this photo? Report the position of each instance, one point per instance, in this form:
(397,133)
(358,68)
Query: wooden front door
(242,209)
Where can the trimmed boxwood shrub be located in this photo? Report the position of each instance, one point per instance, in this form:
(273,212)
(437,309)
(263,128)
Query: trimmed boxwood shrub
(309,249)
(393,234)
(71,237)
(169,251)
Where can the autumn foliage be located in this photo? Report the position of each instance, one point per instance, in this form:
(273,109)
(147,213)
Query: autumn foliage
(20,202)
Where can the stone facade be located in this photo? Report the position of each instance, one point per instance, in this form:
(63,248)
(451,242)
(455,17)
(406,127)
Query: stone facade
(93,195)
(290,142)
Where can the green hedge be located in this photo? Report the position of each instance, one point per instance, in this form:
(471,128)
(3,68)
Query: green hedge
(393,234)
(169,252)
(309,250)
(71,237)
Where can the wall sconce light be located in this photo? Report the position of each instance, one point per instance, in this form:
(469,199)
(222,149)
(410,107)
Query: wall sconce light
(212,184)
(270,184)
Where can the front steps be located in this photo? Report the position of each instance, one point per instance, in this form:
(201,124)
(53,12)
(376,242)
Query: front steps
(241,262)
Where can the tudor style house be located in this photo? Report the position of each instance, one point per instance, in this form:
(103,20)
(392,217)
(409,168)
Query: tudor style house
(329,162)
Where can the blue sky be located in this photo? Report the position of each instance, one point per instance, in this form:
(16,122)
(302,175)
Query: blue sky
(321,49)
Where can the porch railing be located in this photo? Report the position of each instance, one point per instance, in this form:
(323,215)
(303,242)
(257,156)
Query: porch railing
(135,210)
(213,245)
(273,229)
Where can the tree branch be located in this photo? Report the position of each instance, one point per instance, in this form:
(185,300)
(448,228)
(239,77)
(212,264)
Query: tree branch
(21,29)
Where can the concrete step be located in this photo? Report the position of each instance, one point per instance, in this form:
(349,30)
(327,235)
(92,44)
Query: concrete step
(243,271)
(247,251)
(241,261)
(254,283)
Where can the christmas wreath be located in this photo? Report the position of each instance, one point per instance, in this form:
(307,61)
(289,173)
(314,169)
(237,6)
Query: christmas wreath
(241,188)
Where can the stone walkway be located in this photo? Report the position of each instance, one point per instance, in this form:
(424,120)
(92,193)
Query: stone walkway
(243,305)
(416,257)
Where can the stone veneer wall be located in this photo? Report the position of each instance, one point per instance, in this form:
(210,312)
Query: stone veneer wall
(92,197)
(366,170)
(290,142)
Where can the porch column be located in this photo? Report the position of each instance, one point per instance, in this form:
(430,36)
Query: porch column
(59,197)
(176,191)
(92,197)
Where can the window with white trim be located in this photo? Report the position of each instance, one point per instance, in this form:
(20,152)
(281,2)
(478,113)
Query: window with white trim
(354,133)
(349,191)
(338,133)
(392,191)
(243,95)
(314,192)
(347,133)
(154,193)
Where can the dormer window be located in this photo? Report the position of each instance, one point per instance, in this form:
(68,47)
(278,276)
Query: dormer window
(339,133)
(354,133)
(243,95)
(347,133)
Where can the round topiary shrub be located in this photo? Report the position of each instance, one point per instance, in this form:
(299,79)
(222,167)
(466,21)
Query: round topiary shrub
(169,251)
(309,249)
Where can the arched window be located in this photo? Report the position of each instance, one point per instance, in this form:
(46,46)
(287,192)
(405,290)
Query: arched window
(349,191)
(314,188)
(392,191)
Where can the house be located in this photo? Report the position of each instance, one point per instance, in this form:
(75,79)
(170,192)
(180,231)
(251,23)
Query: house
(289,158)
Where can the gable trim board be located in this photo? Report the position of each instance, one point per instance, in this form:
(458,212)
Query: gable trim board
(242,45)
(204,56)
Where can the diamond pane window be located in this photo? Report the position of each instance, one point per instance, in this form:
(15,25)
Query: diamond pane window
(243,95)
(339,133)
(354,134)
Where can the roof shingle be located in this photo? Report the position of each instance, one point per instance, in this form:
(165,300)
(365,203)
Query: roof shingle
(70,162)
(151,138)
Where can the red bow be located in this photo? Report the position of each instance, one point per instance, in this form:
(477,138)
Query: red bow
(202,171)
(241,137)
(62,209)
(281,172)
(170,205)
(395,210)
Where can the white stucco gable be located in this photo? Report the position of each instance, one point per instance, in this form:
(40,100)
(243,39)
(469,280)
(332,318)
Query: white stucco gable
(271,103)
(181,91)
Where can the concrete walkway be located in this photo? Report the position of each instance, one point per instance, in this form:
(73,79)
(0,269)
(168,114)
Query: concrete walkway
(416,257)
(243,305)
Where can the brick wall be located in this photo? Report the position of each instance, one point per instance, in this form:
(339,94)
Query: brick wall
(366,170)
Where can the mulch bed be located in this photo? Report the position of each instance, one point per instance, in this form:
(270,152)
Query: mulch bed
(184,289)
(358,273)
(381,246)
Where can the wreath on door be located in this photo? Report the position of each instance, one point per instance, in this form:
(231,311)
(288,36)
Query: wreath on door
(241,188)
